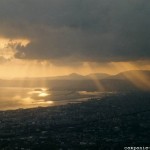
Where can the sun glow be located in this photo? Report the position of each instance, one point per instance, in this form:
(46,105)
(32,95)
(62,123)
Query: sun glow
(43,94)
(8,46)
(45,102)
(95,79)
(6,42)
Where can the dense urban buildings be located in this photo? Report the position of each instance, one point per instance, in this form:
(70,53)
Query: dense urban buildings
(110,122)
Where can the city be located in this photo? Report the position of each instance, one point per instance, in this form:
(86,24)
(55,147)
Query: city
(111,122)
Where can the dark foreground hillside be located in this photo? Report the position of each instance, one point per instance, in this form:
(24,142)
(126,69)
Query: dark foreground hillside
(112,122)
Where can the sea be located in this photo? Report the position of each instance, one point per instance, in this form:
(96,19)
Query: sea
(12,98)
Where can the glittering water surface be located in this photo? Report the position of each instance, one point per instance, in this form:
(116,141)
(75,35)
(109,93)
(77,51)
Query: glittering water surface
(14,98)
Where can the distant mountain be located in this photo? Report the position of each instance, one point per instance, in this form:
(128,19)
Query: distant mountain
(133,74)
(98,76)
(138,78)
(73,76)
(124,81)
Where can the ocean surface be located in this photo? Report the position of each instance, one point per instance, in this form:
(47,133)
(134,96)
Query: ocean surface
(18,97)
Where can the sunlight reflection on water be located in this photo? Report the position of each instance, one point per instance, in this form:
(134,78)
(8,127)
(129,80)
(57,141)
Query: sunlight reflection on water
(14,98)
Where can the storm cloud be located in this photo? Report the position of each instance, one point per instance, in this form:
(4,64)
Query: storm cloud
(78,30)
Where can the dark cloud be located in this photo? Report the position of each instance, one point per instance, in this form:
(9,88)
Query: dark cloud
(79,30)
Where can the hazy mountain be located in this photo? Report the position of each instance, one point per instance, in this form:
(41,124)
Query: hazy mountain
(98,76)
(133,74)
(75,76)
(136,78)
(125,81)
(72,76)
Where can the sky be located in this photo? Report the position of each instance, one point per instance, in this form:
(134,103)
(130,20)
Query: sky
(59,37)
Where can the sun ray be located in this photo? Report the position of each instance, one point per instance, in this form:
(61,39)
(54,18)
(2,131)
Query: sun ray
(138,78)
(95,79)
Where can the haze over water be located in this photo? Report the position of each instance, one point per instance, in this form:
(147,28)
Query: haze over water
(20,97)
